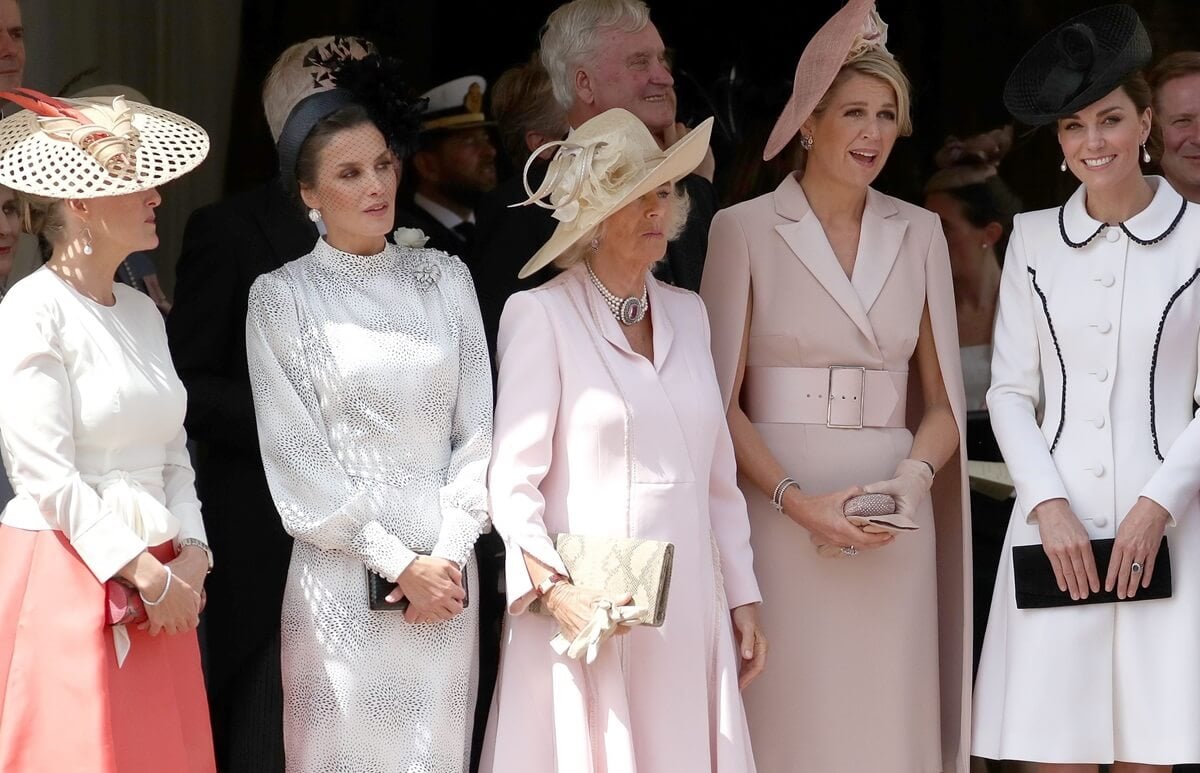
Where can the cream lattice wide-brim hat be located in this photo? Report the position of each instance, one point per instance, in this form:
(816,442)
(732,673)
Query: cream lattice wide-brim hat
(100,146)
(606,163)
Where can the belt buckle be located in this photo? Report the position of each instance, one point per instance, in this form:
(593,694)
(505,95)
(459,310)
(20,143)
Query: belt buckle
(862,384)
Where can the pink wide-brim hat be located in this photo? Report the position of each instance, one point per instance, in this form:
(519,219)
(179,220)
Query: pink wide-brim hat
(823,57)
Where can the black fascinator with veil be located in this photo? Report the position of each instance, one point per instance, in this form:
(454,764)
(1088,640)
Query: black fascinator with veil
(340,79)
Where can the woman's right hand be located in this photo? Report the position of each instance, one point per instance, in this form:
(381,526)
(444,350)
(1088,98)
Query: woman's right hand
(823,516)
(573,607)
(179,608)
(1068,547)
(433,587)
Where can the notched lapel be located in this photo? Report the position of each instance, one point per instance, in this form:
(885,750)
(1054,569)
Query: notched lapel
(878,247)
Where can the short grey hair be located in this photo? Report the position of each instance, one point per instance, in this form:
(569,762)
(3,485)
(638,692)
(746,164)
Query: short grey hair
(290,81)
(569,37)
(681,205)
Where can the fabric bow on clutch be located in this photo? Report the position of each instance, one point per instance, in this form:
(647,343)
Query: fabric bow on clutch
(606,616)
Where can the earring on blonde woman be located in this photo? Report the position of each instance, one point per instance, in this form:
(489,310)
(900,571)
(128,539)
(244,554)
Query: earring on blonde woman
(806,142)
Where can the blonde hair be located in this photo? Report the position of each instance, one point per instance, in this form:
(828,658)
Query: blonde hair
(883,67)
(678,214)
(570,37)
(523,101)
(42,216)
(290,80)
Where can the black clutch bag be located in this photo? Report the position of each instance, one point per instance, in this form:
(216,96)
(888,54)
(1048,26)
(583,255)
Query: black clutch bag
(378,589)
(1037,588)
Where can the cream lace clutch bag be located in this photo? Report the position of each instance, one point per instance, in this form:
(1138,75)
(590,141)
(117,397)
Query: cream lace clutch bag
(640,568)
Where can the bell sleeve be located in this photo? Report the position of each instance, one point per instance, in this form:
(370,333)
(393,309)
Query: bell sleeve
(528,395)
(463,498)
(1016,382)
(317,501)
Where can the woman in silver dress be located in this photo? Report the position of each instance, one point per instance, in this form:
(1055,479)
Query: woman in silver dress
(372,390)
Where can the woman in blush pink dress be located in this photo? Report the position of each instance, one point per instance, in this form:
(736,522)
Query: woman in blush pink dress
(609,422)
(835,343)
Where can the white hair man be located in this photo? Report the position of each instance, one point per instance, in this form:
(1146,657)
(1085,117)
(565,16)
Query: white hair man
(599,54)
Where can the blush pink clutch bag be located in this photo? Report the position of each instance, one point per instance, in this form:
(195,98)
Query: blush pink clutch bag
(875,513)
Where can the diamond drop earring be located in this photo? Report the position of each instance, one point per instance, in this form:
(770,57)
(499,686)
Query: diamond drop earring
(314,214)
(806,142)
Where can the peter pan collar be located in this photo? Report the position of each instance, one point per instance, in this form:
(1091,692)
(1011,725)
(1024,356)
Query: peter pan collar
(1150,226)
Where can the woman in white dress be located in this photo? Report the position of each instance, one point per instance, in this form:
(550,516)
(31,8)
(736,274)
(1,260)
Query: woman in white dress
(1100,312)
(372,390)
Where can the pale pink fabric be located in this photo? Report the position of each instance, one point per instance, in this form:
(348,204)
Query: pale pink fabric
(859,646)
(592,438)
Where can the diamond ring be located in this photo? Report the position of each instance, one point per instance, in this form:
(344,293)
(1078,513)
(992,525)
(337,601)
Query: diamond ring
(850,551)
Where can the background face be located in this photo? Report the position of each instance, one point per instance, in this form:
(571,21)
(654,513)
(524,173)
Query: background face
(1178,103)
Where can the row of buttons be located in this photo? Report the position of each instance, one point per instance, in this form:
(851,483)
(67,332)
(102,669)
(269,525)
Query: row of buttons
(1103,327)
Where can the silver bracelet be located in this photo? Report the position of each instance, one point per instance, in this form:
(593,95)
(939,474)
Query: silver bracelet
(780,489)
(166,588)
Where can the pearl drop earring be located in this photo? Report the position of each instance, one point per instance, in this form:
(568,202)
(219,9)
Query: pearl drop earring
(1063,166)
(1145,154)
(86,236)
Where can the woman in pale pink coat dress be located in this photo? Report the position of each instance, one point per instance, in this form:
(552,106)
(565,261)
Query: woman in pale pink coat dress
(616,428)
(836,347)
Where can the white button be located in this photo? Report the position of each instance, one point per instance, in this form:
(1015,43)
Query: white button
(1096,469)
(1103,326)
(1098,421)
(1101,374)
(1100,521)
(1106,280)
(1113,234)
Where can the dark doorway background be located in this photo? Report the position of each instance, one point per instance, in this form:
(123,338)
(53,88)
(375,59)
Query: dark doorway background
(957,53)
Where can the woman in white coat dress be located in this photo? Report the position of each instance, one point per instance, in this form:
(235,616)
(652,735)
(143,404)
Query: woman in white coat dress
(1100,311)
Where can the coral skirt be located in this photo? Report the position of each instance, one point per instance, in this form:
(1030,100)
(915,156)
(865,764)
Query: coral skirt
(64,703)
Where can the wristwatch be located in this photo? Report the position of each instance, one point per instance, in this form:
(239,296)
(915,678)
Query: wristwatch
(193,542)
(546,585)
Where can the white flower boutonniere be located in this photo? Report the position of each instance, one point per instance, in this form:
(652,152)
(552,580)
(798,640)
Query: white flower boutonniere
(409,237)
(426,274)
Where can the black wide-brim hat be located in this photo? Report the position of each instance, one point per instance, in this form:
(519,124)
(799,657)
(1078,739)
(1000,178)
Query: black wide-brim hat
(1077,63)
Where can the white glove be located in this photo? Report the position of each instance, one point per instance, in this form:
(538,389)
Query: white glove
(909,488)
(604,622)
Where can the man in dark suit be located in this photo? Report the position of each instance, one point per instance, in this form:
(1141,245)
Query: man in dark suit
(226,246)
(454,166)
(592,69)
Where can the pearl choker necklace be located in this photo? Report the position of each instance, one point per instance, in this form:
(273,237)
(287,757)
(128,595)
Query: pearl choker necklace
(628,311)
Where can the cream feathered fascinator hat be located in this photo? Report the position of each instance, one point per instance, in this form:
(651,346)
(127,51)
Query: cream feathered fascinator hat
(99,146)
(607,162)
(853,31)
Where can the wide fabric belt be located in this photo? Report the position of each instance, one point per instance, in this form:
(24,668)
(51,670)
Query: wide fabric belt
(840,396)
